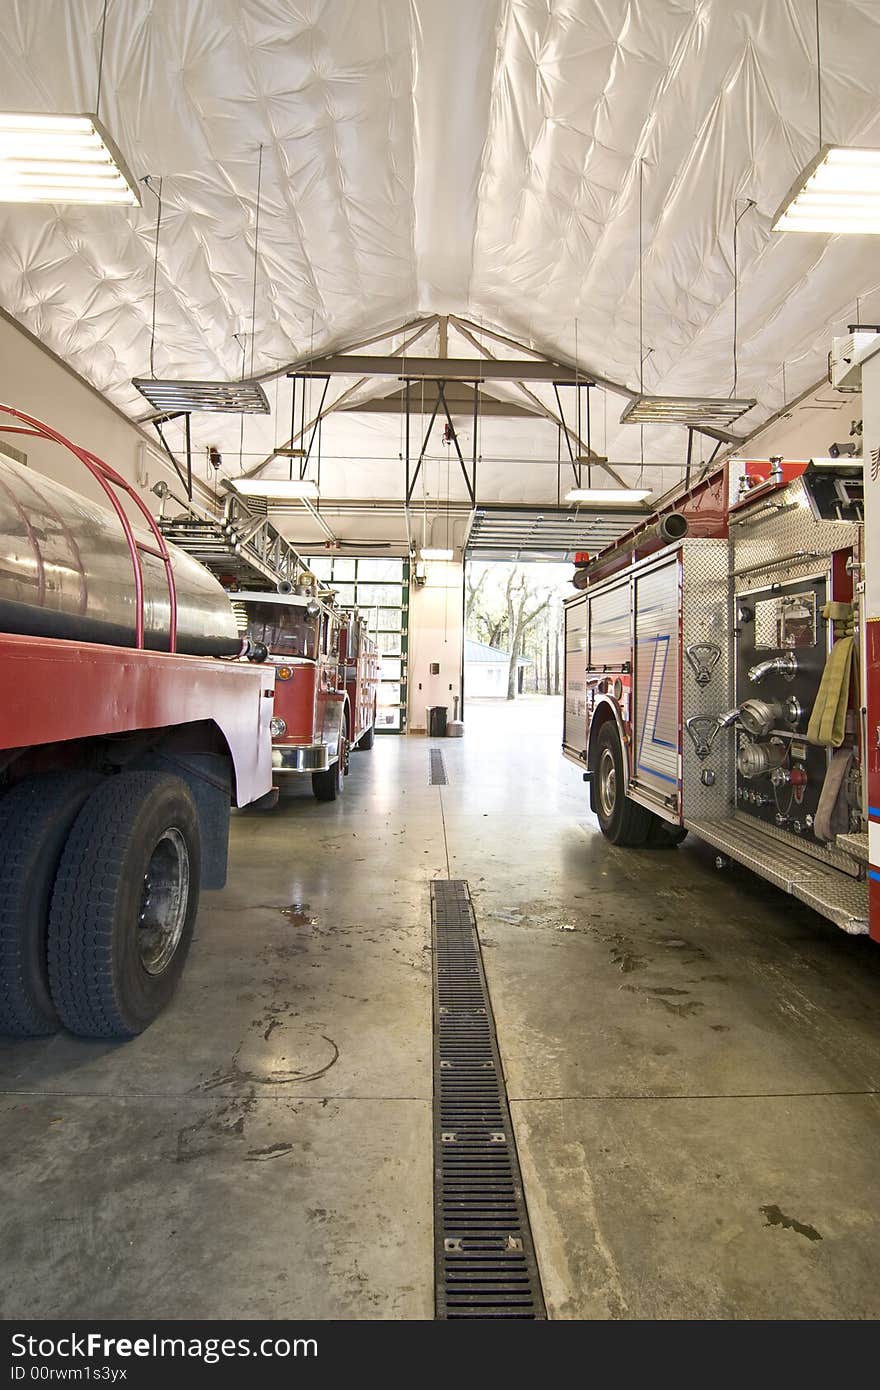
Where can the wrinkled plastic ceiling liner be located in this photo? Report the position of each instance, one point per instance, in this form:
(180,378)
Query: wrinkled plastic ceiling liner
(481,159)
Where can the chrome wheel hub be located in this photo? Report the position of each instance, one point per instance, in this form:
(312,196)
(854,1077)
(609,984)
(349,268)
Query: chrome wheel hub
(607,782)
(164,902)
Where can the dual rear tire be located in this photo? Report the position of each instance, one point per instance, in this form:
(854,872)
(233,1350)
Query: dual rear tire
(99,890)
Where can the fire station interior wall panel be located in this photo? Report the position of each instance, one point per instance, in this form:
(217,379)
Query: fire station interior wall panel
(610,628)
(657,675)
(575,725)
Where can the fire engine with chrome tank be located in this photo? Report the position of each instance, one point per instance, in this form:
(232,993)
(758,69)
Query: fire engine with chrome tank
(129,724)
(722,665)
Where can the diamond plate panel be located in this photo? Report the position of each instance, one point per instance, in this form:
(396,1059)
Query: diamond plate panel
(705,619)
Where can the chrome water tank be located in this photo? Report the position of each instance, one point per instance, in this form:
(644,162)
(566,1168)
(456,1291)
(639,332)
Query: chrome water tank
(66,571)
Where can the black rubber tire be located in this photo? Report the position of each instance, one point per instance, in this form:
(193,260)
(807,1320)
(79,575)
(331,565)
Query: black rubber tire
(366,741)
(665,835)
(99,982)
(621,821)
(329,785)
(35,820)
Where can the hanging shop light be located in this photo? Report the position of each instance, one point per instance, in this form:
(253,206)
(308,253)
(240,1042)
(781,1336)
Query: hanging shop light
(184,397)
(713,411)
(54,157)
(61,159)
(839,191)
(608,496)
(435,553)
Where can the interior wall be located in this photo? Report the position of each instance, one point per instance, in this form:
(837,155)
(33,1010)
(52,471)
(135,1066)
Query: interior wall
(435,637)
(809,428)
(32,380)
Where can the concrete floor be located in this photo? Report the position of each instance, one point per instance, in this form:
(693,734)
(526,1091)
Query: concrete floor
(692,1059)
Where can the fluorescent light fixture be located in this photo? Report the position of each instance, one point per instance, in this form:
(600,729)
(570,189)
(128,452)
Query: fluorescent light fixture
(185,397)
(277,489)
(434,554)
(61,159)
(717,412)
(838,192)
(607,496)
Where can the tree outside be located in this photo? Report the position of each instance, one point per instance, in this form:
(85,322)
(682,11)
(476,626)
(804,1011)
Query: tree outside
(518,609)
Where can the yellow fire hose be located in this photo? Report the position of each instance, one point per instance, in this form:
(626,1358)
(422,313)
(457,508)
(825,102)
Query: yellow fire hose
(827,726)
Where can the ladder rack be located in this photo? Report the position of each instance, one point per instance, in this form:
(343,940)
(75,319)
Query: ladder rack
(240,546)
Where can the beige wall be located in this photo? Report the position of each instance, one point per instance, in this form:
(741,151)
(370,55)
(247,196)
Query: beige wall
(435,635)
(32,380)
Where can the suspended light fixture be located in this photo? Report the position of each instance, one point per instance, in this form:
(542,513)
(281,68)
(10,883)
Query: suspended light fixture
(185,397)
(61,159)
(839,191)
(715,412)
(607,496)
(53,157)
(435,553)
(277,489)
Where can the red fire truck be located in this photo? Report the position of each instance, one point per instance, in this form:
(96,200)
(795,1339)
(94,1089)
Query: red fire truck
(719,667)
(327,677)
(130,723)
(326,664)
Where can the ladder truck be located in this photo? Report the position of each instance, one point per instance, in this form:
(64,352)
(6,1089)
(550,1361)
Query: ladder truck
(326,664)
(722,674)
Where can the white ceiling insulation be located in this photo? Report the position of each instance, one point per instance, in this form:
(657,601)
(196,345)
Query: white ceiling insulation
(470,158)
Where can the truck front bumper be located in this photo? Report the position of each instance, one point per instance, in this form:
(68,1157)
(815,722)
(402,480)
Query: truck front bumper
(304,757)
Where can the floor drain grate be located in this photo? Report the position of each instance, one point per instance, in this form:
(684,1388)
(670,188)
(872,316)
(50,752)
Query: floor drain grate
(438,776)
(484,1259)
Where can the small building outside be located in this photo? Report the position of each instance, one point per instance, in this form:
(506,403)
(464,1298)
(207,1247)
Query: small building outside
(485,671)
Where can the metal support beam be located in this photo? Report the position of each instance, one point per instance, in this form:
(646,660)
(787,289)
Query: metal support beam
(189,461)
(539,406)
(460,398)
(313,425)
(443,368)
(343,397)
(470,480)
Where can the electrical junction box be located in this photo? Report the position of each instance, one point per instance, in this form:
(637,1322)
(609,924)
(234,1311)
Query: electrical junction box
(845,358)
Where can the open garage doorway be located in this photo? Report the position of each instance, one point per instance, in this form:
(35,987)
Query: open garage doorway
(513,654)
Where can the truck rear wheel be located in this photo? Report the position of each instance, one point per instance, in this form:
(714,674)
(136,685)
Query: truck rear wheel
(35,820)
(366,741)
(124,905)
(621,820)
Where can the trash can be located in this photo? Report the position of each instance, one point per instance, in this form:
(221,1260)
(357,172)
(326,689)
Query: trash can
(437,721)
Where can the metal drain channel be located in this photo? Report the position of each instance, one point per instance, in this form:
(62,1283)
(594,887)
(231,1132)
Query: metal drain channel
(484,1260)
(437,776)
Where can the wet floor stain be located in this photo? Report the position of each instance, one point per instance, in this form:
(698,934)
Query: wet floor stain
(774,1217)
(280,1069)
(273,1151)
(298,915)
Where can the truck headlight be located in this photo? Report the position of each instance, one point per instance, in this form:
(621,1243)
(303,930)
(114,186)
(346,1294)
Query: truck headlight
(278,728)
